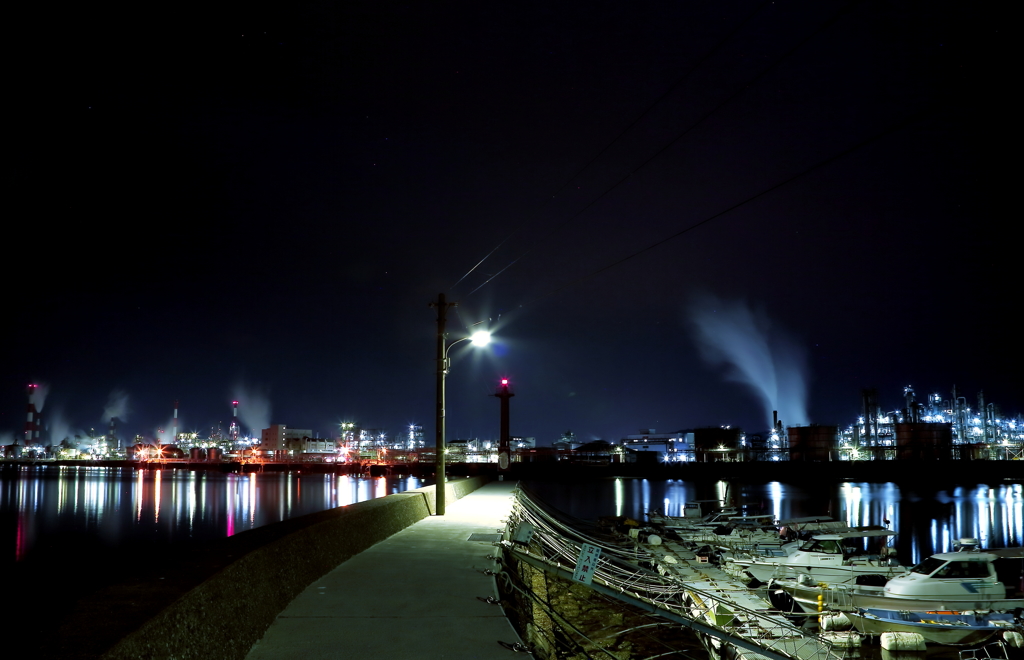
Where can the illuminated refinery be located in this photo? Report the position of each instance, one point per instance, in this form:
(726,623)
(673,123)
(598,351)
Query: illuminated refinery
(936,427)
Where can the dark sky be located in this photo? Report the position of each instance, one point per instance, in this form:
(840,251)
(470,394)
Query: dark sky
(260,201)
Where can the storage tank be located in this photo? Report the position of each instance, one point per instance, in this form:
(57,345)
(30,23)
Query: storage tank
(924,440)
(171,451)
(715,437)
(716,443)
(196,454)
(215,454)
(812,443)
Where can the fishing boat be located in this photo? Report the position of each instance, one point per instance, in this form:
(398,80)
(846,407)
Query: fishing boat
(948,628)
(959,581)
(830,558)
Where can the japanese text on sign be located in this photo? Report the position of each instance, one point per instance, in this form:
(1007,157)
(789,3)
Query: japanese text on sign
(586,564)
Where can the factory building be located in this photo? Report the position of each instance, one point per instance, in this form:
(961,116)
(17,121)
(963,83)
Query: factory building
(281,438)
(650,445)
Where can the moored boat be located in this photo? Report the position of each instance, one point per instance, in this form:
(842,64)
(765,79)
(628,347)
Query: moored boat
(951,581)
(948,628)
(830,558)
(962,580)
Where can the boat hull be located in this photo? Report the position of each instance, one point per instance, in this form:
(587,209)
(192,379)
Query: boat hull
(850,597)
(935,628)
(881,601)
(834,574)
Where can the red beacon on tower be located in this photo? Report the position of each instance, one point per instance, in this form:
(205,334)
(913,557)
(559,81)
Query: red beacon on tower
(504,394)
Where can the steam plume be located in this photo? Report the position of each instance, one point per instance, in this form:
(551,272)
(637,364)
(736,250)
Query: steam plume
(117,406)
(60,429)
(253,407)
(767,360)
(38,397)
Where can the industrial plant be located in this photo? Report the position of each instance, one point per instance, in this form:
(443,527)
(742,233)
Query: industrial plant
(936,427)
(939,427)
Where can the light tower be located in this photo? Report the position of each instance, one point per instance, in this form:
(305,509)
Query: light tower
(504,394)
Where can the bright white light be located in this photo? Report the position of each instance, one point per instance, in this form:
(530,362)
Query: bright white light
(481,338)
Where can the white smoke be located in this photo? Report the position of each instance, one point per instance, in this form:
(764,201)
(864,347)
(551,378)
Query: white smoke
(164,435)
(117,406)
(764,358)
(59,427)
(253,407)
(38,396)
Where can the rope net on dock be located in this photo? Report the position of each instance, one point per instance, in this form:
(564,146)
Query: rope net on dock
(631,572)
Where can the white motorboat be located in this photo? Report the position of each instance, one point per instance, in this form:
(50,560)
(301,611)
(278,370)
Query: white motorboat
(955,581)
(830,558)
(945,582)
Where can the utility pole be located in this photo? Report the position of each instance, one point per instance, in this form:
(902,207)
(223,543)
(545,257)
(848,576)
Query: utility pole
(442,370)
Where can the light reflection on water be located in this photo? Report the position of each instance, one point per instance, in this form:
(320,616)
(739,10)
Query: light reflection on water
(115,505)
(927,521)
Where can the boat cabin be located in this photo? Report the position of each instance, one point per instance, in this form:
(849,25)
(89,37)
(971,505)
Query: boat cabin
(963,566)
(848,545)
(964,575)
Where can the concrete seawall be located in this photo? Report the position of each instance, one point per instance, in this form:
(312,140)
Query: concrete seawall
(224,615)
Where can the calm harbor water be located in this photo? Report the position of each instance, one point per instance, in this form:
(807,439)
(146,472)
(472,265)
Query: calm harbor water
(122,508)
(927,521)
(112,509)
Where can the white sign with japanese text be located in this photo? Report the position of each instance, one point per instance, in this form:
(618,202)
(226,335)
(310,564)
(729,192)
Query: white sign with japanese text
(586,564)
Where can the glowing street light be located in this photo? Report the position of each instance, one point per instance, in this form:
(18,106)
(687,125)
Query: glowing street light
(479,338)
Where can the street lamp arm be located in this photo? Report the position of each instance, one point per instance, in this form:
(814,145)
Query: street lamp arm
(479,338)
(457,341)
(447,361)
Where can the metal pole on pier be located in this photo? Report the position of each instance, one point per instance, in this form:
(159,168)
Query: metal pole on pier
(442,371)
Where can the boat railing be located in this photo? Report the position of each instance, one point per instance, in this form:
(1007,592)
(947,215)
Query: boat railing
(713,613)
(702,602)
(839,597)
(992,651)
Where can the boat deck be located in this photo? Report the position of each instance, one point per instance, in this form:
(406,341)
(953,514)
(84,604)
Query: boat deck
(728,605)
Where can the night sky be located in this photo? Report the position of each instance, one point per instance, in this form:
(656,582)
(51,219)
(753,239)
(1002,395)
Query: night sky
(260,202)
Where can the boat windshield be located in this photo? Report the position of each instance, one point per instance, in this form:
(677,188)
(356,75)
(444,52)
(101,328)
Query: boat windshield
(952,569)
(822,545)
(963,569)
(928,566)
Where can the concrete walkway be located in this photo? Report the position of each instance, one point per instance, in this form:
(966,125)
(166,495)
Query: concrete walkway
(414,595)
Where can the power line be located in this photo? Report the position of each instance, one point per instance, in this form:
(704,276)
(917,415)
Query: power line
(824,26)
(820,164)
(614,140)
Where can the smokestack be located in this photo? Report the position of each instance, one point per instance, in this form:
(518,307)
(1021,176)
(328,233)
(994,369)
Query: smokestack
(112,435)
(174,423)
(30,419)
(234,430)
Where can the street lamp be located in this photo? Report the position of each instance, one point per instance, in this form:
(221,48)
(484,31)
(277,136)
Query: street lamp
(479,338)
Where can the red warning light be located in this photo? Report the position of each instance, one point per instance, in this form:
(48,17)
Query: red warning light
(504,381)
